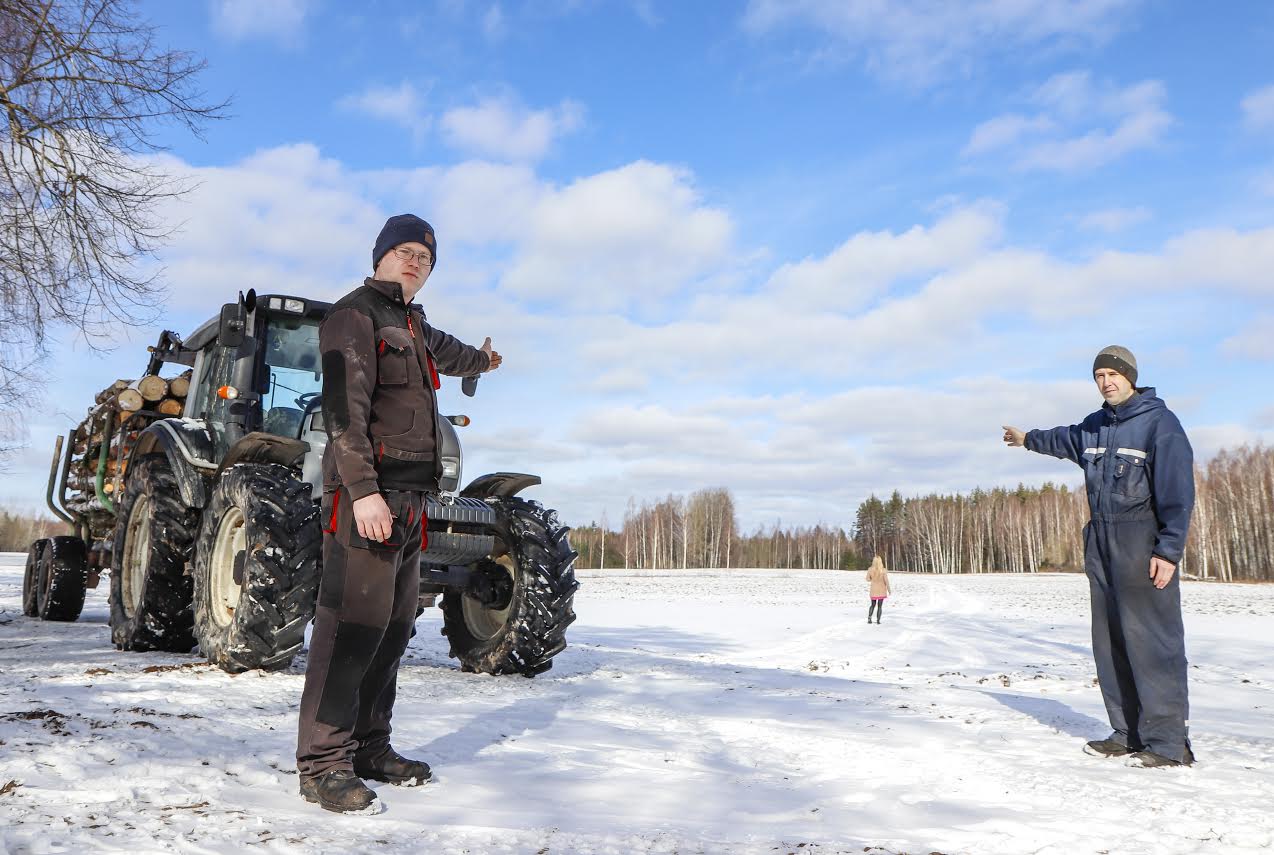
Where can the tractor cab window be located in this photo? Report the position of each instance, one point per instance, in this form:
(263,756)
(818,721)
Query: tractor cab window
(293,376)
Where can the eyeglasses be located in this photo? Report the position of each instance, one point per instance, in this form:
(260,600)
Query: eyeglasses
(422,258)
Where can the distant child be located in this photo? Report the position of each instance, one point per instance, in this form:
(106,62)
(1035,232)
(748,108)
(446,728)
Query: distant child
(879,578)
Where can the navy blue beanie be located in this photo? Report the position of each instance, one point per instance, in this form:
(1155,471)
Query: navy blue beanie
(403,228)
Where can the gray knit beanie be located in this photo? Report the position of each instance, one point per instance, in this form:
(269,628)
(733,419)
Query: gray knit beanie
(1119,359)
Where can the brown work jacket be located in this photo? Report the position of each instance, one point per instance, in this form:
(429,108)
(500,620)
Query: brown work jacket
(381,362)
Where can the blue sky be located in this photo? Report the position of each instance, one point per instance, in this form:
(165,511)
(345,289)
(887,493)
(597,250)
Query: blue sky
(806,250)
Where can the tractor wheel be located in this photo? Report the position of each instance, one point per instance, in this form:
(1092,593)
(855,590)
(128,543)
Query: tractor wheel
(513,616)
(63,574)
(31,579)
(150,591)
(256,568)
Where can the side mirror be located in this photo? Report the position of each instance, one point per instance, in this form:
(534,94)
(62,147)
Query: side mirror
(469,385)
(234,320)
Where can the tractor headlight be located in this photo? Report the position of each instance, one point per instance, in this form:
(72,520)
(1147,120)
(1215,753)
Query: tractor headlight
(450,467)
(287,305)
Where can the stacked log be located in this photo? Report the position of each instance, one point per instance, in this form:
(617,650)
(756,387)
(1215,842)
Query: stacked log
(129,406)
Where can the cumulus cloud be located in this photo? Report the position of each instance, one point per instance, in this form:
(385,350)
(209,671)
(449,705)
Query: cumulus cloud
(503,129)
(1114,220)
(1258,108)
(401,105)
(865,265)
(283,220)
(1254,341)
(668,361)
(632,234)
(280,21)
(1080,125)
(922,43)
(1005,131)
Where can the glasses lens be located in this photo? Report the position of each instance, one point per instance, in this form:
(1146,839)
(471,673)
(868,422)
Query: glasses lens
(422,258)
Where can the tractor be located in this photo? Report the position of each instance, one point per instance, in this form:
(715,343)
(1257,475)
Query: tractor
(200,496)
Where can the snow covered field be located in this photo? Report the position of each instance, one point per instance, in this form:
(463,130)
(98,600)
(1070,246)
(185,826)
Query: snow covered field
(695,712)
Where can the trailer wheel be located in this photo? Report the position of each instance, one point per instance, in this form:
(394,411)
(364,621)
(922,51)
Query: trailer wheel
(63,574)
(256,568)
(31,579)
(512,618)
(154,533)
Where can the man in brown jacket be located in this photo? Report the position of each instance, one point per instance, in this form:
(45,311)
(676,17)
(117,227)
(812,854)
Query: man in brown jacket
(381,362)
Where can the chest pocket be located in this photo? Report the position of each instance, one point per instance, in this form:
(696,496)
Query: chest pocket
(393,351)
(1131,477)
(1094,469)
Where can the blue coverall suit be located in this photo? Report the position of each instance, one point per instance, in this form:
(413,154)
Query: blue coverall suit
(1139,469)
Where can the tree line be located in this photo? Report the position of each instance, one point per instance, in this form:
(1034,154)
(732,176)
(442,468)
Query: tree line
(702,531)
(1022,530)
(1025,530)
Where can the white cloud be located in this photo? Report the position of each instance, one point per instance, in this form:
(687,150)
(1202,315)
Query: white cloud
(401,105)
(922,43)
(280,21)
(638,233)
(656,358)
(283,220)
(1258,108)
(1005,131)
(1254,341)
(503,129)
(1265,182)
(867,264)
(1082,125)
(1114,220)
(494,23)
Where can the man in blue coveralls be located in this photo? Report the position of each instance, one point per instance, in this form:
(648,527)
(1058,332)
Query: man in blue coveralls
(1139,470)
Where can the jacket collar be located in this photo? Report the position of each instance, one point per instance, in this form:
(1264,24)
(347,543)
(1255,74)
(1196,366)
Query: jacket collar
(390,290)
(1142,400)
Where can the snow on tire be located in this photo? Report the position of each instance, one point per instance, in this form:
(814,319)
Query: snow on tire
(31,579)
(529,595)
(62,579)
(256,568)
(150,590)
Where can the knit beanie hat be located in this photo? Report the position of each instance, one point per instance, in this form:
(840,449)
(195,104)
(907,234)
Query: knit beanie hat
(403,228)
(1119,359)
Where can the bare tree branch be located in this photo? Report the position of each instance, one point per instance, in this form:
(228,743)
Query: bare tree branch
(84,89)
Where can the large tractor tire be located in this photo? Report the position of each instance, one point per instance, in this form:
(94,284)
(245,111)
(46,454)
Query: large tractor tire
(62,579)
(31,579)
(150,590)
(512,619)
(256,568)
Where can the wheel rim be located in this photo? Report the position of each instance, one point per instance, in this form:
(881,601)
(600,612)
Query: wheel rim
(483,622)
(223,592)
(136,554)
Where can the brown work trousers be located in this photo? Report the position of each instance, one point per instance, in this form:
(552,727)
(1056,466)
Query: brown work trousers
(367,602)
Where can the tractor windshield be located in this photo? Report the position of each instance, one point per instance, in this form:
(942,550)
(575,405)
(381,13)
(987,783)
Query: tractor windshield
(295,372)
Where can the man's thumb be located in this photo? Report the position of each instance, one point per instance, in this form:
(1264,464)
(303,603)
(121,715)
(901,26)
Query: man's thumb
(486,345)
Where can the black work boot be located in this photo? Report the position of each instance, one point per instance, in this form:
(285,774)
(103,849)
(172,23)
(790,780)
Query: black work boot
(1107,748)
(1151,760)
(339,790)
(393,768)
